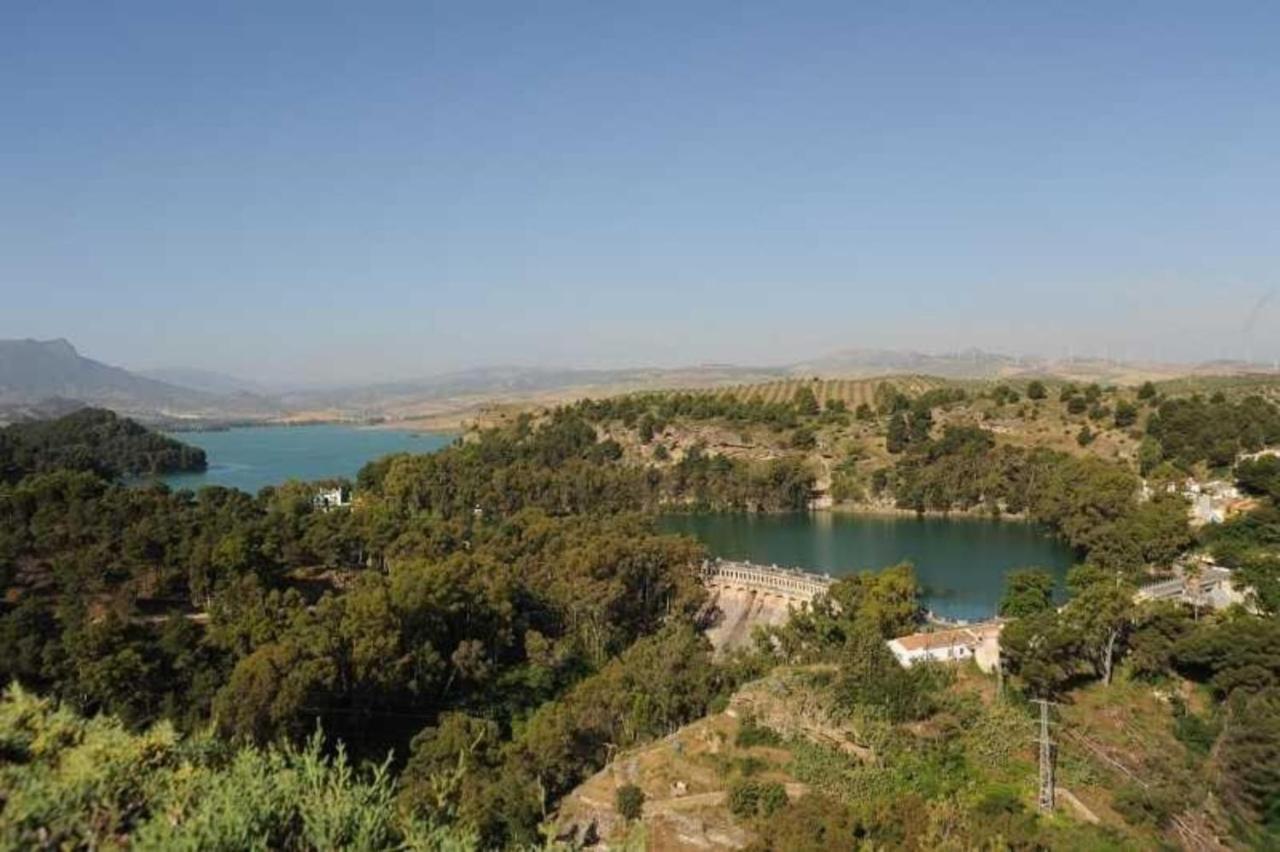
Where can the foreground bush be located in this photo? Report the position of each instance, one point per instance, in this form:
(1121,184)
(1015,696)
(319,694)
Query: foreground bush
(71,782)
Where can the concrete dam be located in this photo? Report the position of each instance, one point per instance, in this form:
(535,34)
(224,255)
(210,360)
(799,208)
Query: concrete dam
(744,595)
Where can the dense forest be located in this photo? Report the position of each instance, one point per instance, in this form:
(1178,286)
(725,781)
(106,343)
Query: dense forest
(440,664)
(507,590)
(94,440)
(1091,503)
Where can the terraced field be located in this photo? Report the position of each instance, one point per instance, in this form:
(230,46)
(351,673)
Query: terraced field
(852,391)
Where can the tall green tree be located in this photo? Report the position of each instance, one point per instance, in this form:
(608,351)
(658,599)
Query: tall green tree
(805,401)
(1042,650)
(1027,591)
(1102,613)
(897,436)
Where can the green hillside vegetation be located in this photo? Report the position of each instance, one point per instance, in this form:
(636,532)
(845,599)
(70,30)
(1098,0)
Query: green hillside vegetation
(492,623)
(509,585)
(94,440)
(76,783)
(853,434)
(1167,724)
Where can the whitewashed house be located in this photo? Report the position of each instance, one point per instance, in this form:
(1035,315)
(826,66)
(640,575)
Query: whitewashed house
(979,642)
(331,498)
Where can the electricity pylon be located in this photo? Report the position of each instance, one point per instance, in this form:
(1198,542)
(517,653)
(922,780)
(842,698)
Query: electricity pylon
(1046,757)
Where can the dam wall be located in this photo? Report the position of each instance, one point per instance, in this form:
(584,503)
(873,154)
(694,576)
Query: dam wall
(745,595)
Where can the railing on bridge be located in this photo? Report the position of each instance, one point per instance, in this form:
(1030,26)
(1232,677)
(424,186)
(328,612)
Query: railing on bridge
(788,582)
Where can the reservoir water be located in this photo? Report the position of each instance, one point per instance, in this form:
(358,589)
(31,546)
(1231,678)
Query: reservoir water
(960,563)
(249,458)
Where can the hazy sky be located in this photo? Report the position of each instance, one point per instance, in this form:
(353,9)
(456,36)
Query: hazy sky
(355,190)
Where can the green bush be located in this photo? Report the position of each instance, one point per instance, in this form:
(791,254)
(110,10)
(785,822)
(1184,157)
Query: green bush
(71,782)
(629,802)
(756,798)
(1195,733)
(752,733)
(999,800)
(1143,806)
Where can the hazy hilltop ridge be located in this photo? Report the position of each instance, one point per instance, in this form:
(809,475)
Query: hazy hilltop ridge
(208,381)
(969,364)
(447,400)
(34,373)
(34,370)
(974,363)
(46,368)
(47,378)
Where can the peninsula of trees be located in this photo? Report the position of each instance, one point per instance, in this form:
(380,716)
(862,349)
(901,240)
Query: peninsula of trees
(94,440)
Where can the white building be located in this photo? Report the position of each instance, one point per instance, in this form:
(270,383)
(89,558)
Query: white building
(331,498)
(980,642)
(1209,586)
(1211,502)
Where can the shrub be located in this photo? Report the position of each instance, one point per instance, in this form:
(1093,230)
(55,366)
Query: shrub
(756,798)
(748,766)
(1196,733)
(751,733)
(629,802)
(71,782)
(1150,806)
(998,800)
(803,439)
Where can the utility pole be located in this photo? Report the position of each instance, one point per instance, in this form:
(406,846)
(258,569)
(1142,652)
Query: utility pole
(1046,757)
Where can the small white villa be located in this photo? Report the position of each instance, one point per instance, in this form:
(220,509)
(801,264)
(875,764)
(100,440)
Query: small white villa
(980,642)
(331,498)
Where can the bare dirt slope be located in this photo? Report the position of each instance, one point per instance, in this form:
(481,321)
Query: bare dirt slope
(687,775)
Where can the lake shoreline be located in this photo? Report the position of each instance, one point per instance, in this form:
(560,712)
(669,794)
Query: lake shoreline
(252,457)
(169,428)
(951,514)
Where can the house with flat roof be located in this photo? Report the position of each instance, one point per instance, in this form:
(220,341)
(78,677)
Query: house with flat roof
(979,642)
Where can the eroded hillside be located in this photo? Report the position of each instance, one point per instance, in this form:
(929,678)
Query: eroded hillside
(787,761)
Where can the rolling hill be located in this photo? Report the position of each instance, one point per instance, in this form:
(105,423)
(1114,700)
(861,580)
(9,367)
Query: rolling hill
(33,372)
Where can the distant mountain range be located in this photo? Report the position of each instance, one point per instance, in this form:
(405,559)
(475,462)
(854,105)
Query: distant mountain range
(205,381)
(49,377)
(507,380)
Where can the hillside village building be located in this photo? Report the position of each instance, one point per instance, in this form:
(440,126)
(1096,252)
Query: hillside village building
(331,498)
(978,642)
(1209,502)
(1209,586)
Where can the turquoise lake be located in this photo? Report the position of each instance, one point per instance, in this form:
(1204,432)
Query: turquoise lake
(249,458)
(960,563)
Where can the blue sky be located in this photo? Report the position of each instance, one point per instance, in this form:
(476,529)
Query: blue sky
(377,190)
